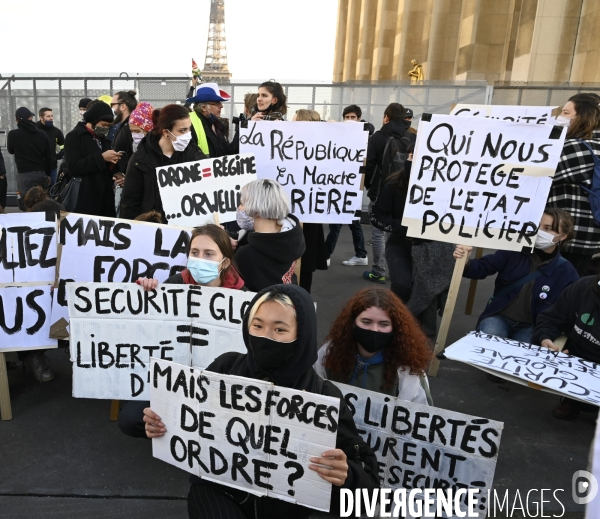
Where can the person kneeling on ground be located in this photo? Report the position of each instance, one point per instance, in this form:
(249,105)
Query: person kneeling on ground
(576,313)
(280,332)
(210,263)
(376,344)
(527,284)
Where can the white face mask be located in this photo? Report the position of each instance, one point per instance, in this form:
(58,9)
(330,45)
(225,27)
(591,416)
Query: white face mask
(545,240)
(137,137)
(561,120)
(82,112)
(181,142)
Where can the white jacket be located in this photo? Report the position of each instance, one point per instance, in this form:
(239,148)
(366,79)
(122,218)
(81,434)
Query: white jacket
(410,387)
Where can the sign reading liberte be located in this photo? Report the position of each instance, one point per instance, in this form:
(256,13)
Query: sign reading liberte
(481,182)
(244,433)
(318,164)
(117,327)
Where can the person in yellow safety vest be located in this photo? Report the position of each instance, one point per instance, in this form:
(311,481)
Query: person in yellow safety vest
(208,103)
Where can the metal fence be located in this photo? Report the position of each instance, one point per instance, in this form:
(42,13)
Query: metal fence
(62,94)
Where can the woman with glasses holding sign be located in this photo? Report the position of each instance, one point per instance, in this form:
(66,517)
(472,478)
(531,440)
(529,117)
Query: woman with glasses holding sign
(376,344)
(280,332)
(210,263)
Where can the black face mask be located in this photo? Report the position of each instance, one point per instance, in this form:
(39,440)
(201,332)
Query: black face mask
(269,354)
(372,341)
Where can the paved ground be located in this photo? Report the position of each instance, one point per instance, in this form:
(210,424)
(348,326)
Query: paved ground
(61,457)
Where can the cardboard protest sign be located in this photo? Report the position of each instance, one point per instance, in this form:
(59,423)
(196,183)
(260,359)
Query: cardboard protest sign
(94,249)
(25,317)
(27,247)
(318,164)
(420,446)
(244,433)
(193,192)
(481,182)
(530,365)
(116,327)
(512,113)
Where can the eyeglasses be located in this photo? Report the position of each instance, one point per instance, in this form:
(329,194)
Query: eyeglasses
(113,104)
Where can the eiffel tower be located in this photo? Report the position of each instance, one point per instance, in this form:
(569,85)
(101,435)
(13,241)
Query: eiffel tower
(215,65)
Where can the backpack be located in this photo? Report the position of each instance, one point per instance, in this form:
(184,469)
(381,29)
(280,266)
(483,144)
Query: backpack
(394,157)
(594,193)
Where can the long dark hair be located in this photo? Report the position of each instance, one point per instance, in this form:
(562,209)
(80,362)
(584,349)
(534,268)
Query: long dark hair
(588,116)
(276,90)
(166,117)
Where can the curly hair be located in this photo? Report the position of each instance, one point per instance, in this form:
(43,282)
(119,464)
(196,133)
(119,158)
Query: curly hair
(409,347)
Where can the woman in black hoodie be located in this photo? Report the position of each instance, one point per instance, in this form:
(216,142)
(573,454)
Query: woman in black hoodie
(170,142)
(280,332)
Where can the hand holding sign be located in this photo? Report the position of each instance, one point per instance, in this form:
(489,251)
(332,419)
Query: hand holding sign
(332,466)
(155,428)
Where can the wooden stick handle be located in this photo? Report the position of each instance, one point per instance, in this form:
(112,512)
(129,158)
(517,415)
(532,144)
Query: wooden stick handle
(5,409)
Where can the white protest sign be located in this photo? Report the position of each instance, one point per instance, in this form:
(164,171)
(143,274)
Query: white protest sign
(94,249)
(28,247)
(244,433)
(116,327)
(481,182)
(193,192)
(419,446)
(318,164)
(512,113)
(530,365)
(25,317)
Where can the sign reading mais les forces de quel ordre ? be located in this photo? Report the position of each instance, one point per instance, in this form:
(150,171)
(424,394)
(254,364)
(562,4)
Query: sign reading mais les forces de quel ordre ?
(481,182)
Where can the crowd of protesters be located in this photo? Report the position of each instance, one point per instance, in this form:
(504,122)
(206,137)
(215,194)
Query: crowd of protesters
(379,341)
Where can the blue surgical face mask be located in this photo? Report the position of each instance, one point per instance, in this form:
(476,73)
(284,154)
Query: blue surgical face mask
(204,271)
(244,221)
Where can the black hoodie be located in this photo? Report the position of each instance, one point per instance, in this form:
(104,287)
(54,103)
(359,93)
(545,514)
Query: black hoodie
(31,148)
(268,258)
(576,313)
(140,191)
(297,373)
(55,136)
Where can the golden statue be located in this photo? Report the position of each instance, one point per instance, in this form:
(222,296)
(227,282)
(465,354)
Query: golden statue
(416,74)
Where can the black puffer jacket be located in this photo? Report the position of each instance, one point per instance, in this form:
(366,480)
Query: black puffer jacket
(140,191)
(83,158)
(297,373)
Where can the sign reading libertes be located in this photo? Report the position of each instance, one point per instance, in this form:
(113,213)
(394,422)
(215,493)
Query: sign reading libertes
(512,113)
(244,433)
(419,446)
(318,164)
(193,193)
(481,182)
(116,327)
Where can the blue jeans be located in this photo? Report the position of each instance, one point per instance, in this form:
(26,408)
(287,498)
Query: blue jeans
(357,238)
(503,327)
(378,238)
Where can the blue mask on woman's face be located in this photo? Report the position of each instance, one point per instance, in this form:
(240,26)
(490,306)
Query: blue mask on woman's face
(204,271)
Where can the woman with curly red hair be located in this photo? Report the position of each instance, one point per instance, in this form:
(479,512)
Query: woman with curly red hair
(376,344)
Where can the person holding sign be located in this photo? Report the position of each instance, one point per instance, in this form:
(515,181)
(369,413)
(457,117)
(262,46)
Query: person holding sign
(574,174)
(271,238)
(167,144)
(280,332)
(210,263)
(375,343)
(527,284)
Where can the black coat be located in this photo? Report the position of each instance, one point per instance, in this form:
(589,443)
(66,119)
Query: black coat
(31,148)
(123,141)
(268,258)
(140,190)
(55,136)
(83,158)
(297,373)
(218,145)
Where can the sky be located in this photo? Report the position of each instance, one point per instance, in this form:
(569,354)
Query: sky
(281,39)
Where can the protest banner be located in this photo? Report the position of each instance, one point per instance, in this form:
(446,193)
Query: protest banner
(319,165)
(244,433)
(512,113)
(116,327)
(481,182)
(25,310)
(28,247)
(420,446)
(193,192)
(95,249)
(530,365)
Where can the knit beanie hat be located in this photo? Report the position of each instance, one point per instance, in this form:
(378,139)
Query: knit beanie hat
(98,111)
(84,102)
(142,116)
